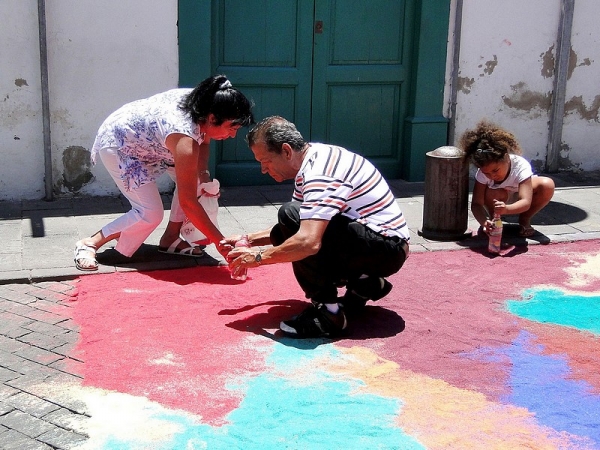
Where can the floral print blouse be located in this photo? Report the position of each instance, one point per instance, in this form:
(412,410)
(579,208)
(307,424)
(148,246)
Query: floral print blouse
(139,131)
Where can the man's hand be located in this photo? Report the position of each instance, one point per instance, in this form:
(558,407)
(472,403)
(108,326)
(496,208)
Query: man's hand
(242,258)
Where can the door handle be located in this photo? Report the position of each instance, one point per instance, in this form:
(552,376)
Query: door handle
(319,27)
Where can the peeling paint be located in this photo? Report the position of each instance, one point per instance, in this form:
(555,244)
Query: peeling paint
(20,82)
(564,160)
(490,66)
(538,165)
(548,63)
(526,100)
(77,164)
(572,63)
(464,84)
(576,104)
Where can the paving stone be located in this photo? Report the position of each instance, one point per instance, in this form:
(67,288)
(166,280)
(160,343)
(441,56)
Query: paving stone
(50,295)
(11,345)
(24,288)
(62,439)
(70,366)
(67,349)
(18,308)
(11,361)
(17,296)
(66,400)
(13,440)
(7,374)
(5,408)
(12,331)
(69,420)
(70,325)
(5,304)
(62,308)
(25,423)
(71,336)
(34,370)
(45,316)
(7,391)
(31,404)
(47,329)
(42,341)
(29,381)
(14,320)
(57,286)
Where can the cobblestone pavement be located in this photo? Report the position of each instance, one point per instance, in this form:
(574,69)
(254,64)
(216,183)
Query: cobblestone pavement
(36,338)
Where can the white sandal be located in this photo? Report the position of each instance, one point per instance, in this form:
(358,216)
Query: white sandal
(85,252)
(187,251)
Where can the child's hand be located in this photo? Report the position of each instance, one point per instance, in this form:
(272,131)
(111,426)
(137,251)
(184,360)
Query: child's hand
(499,207)
(487,226)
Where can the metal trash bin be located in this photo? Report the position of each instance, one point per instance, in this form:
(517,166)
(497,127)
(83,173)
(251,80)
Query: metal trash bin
(445,210)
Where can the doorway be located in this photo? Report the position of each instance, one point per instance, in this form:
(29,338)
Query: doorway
(341,70)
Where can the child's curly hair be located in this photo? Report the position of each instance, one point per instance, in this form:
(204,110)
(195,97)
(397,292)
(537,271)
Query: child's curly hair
(488,143)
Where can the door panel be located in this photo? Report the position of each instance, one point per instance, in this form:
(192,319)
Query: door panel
(360,78)
(265,48)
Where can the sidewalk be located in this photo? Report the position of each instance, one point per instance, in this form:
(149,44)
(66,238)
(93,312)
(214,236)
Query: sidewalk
(38,236)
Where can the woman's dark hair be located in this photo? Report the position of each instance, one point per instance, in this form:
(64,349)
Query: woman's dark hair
(218,97)
(488,143)
(275,131)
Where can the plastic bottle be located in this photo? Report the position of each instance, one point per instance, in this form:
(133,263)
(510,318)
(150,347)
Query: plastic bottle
(242,273)
(495,242)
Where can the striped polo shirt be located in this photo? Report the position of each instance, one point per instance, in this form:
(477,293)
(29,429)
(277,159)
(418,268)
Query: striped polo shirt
(333,180)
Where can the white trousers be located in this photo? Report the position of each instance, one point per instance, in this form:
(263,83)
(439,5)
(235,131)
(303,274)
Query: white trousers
(146,212)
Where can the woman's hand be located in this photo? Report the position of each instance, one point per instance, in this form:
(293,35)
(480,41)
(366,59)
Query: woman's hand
(228,243)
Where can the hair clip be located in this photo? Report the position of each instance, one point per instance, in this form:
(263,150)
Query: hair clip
(225,84)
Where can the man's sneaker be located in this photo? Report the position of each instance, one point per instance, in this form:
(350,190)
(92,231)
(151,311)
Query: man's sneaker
(315,321)
(362,290)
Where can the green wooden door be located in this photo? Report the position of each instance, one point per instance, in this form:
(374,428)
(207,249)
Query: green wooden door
(360,74)
(345,71)
(265,48)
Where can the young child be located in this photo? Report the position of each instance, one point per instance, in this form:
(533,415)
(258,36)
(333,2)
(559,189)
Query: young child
(504,182)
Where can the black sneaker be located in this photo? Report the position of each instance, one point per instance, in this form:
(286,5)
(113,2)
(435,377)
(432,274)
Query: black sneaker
(362,290)
(315,321)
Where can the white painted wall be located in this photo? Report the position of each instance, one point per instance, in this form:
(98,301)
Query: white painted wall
(581,134)
(506,75)
(21,139)
(101,54)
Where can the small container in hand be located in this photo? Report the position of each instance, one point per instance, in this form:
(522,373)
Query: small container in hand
(495,242)
(241,274)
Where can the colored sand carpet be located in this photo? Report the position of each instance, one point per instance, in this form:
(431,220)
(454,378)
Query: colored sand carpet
(467,352)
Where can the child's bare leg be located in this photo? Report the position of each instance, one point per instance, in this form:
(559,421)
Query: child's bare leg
(543,190)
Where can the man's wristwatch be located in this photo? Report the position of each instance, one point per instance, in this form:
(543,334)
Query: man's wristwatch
(258,257)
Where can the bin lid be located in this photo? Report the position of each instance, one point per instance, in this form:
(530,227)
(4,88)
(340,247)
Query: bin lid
(446,151)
